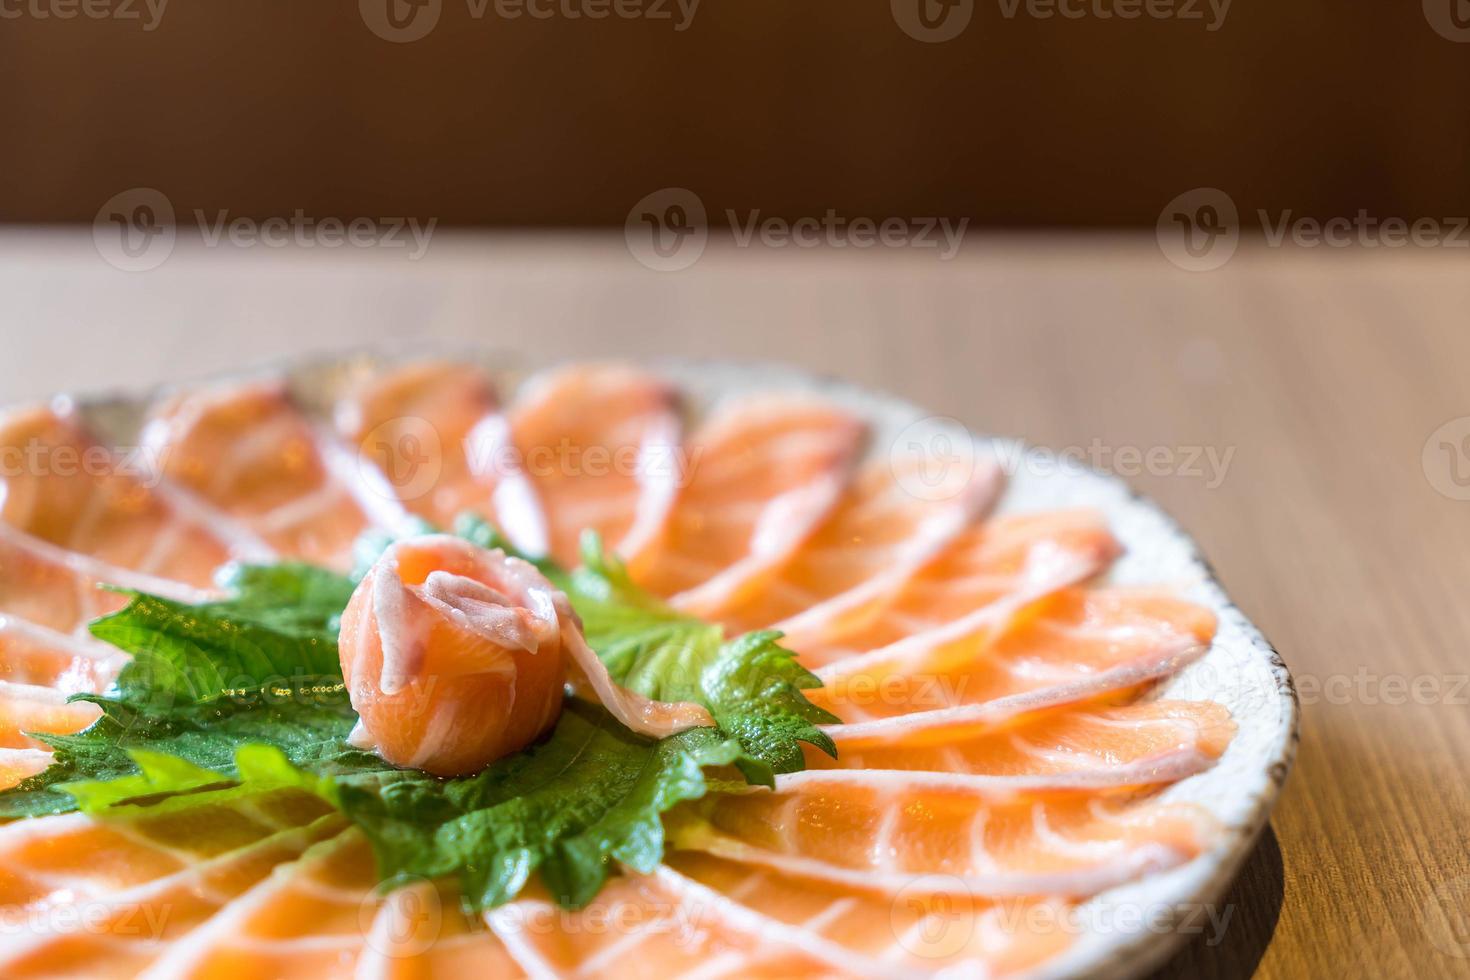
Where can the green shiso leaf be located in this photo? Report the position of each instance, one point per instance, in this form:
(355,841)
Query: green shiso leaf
(751,685)
(590,794)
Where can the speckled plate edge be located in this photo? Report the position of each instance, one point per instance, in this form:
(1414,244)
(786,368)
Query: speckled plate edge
(1242,670)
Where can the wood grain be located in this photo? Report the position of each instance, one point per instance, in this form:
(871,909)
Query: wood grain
(1322,372)
(791,108)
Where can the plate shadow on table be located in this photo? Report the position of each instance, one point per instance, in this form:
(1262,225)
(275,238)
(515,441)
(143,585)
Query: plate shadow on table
(1254,905)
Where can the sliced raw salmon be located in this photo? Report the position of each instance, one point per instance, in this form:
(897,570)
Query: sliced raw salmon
(891,836)
(913,934)
(431,438)
(879,536)
(323,917)
(29,708)
(763,474)
(659,925)
(77,494)
(76,858)
(127,929)
(1074,646)
(47,597)
(250,452)
(19,764)
(70,664)
(41,584)
(1094,749)
(600,443)
(61,590)
(976,584)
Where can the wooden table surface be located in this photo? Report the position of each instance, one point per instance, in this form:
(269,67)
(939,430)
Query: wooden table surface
(1320,375)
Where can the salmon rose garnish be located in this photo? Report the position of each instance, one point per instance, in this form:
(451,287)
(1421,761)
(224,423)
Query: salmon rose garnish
(455,656)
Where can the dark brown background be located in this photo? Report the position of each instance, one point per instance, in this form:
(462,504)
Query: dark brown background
(791,106)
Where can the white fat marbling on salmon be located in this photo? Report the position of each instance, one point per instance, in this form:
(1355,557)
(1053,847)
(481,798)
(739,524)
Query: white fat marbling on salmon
(1049,568)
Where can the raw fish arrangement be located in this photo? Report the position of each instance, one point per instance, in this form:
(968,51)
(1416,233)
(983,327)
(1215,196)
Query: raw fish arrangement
(429,678)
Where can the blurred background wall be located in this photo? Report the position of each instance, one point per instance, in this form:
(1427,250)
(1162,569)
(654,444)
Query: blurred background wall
(1038,113)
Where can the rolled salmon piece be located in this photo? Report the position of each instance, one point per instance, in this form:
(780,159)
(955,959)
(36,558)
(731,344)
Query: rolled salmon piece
(455,656)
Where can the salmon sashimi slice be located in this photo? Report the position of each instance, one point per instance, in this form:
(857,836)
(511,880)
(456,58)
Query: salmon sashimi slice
(47,597)
(660,925)
(431,438)
(59,590)
(890,837)
(68,663)
(80,496)
(976,584)
(324,917)
(19,764)
(247,450)
(26,708)
(75,858)
(916,933)
(126,930)
(1048,568)
(1095,749)
(878,537)
(600,444)
(1077,645)
(44,585)
(763,475)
